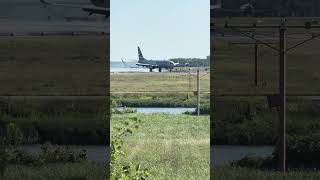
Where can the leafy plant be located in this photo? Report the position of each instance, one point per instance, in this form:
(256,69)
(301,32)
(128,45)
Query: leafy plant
(10,138)
(2,150)
(125,171)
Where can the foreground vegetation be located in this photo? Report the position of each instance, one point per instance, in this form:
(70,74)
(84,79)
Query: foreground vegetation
(52,162)
(59,120)
(247,121)
(170,146)
(158,100)
(58,171)
(236,173)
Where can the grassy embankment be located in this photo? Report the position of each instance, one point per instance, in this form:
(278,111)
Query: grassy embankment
(170,146)
(234,173)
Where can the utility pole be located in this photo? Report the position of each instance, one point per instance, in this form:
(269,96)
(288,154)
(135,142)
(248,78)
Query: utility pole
(256,64)
(189,78)
(256,52)
(280,99)
(198,92)
(282,93)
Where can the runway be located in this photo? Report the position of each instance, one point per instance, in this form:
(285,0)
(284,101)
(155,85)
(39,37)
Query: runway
(31,18)
(20,28)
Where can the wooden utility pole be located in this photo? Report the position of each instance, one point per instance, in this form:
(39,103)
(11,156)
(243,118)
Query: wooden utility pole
(282,93)
(280,99)
(198,92)
(189,78)
(256,52)
(256,64)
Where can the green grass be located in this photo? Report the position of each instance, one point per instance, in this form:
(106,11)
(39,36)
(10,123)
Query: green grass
(156,82)
(170,146)
(61,120)
(233,173)
(159,100)
(247,121)
(54,65)
(69,171)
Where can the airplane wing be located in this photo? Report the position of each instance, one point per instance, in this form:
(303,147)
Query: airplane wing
(127,64)
(147,65)
(90,10)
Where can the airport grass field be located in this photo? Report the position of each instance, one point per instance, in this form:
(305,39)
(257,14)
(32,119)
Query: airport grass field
(170,146)
(131,82)
(54,65)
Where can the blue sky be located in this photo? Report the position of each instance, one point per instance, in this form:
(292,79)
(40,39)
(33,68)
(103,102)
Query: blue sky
(162,28)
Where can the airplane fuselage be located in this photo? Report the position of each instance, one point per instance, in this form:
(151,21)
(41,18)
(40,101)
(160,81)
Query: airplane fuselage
(156,64)
(153,64)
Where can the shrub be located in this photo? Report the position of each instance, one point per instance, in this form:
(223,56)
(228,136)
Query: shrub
(126,170)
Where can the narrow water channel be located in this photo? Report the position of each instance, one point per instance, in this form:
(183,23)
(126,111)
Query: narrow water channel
(150,110)
(222,155)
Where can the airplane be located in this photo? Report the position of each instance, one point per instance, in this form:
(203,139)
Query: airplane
(246,9)
(153,64)
(99,7)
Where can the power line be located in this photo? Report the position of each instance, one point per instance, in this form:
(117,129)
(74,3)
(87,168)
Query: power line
(278,100)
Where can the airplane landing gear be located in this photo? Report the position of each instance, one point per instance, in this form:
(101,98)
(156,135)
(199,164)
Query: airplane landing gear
(150,69)
(160,69)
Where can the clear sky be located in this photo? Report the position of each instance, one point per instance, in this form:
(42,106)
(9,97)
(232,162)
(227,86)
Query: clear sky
(162,28)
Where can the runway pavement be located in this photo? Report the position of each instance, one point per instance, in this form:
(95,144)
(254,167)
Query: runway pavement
(21,28)
(27,18)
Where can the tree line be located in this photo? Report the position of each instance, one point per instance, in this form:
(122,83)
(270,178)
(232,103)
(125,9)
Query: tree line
(193,62)
(284,7)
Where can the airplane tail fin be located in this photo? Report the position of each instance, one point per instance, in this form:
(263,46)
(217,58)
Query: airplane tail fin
(44,2)
(140,54)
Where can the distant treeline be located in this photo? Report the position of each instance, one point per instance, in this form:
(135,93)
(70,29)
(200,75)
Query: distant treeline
(193,62)
(286,7)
